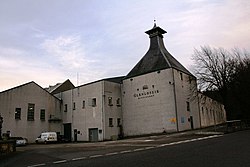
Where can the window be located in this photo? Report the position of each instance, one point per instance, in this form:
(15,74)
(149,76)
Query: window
(119,122)
(65,107)
(31,112)
(145,87)
(18,113)
(188,106)
(83,104)
(93,102)
(42,114)
(118,102)
(74,106)
(110,101)
(181,76)
(110,122)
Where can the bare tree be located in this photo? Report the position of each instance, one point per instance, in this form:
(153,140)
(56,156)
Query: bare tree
(213,67)
(216,69)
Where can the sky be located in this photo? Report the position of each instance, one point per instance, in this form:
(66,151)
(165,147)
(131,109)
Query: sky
(50,41)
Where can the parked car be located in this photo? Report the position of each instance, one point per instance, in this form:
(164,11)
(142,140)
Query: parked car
(20,141)
(47,137)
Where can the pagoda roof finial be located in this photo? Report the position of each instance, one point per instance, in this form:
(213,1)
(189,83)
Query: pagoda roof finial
(155,23)
(155,31)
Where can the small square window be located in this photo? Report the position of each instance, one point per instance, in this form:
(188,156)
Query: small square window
(18,113)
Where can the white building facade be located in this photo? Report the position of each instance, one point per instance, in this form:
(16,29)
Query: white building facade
(92,112)
(159,94)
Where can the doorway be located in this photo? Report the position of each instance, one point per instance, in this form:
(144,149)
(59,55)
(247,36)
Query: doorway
(67,131)
(93,134)
(191,122)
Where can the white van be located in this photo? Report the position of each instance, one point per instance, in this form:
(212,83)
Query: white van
(47,137)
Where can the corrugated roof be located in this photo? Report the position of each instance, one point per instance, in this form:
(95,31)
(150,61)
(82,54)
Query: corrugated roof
(157,57)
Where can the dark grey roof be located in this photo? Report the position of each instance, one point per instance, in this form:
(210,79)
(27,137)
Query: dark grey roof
(60,87)
(115,79)
(157,57)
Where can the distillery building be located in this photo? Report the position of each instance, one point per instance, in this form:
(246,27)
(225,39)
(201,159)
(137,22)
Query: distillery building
(158,95)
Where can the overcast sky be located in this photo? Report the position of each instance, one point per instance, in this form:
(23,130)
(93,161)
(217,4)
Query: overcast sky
(49,41)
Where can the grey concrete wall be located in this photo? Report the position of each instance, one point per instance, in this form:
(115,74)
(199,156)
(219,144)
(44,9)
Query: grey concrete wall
(19,98)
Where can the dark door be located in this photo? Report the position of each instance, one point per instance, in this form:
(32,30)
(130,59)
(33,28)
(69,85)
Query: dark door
(67,131)
(191,122)
(93,134)
(75,135)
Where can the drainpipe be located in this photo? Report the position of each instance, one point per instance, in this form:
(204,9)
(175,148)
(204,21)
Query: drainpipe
(72,113)
(175,102)
(103,115)
(199,110)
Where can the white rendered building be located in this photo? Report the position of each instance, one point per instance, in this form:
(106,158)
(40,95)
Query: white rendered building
(158,95)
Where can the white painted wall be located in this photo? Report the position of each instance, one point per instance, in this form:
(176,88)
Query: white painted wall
(211,111)
(84,118)
(186,91)
(150,110)
(114,111)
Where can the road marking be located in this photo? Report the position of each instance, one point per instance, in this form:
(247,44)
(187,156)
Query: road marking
(37,165)
(148,140)
(80,158)
(58,162)
(187,141)
(139,149)
(126,151)
(95,156)
(114,153)
(148,148)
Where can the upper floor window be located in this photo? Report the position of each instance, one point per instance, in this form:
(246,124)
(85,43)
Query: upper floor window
(83,104)
(18,113)
(110,101)
(74,106)
(181,76)
(31,112)
(93,102)
(118,102)
(42,114)
(188,106)
(65,107)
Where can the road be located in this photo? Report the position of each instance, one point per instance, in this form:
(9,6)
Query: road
(229,150)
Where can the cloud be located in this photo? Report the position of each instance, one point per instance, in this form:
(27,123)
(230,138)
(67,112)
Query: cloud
(69,52)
